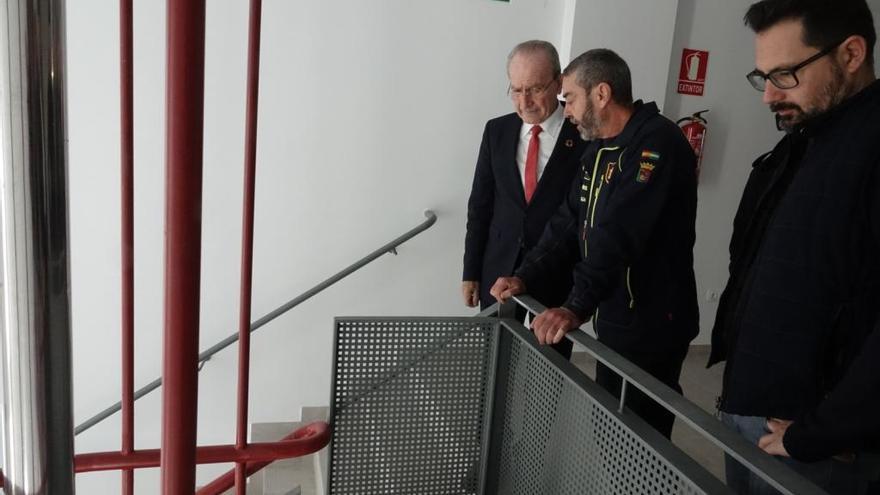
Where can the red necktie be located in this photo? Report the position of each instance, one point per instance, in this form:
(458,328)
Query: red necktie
(531,179)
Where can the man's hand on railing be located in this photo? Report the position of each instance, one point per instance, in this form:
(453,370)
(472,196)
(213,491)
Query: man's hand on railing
(470,292)
(507,287)
(551,326)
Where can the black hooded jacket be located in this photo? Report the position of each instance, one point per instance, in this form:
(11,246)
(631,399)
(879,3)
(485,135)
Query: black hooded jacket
(626,232)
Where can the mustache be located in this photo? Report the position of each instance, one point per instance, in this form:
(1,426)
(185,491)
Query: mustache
(783,105)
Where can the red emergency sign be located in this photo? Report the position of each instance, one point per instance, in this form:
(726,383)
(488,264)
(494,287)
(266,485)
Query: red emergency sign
(692,76)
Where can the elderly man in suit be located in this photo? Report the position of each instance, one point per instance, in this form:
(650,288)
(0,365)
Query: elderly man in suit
(526,165)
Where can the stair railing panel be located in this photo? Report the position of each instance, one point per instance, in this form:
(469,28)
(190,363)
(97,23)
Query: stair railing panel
(545,427)
(473,406)
(765,466)
(556,431)
(409,402)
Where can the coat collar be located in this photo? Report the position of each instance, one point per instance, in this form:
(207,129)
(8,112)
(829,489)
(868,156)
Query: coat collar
(819,124)
(642,112)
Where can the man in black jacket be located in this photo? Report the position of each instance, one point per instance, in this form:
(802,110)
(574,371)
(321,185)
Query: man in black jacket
(796,322)
(625,232)
(527,162)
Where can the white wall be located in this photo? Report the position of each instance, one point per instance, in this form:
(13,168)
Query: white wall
(639,31)
(740,128)
(370,113)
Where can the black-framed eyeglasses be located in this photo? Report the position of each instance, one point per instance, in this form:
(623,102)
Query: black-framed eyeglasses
(785,78)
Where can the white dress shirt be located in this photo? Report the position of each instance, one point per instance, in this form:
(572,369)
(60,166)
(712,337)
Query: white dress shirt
(547,138)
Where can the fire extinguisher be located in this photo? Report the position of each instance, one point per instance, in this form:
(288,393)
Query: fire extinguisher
(694,129)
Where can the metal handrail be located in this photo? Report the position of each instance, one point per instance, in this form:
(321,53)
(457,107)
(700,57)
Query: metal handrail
(204,356)
(777,474)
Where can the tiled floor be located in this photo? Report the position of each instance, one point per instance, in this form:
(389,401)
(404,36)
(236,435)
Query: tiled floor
(701,386)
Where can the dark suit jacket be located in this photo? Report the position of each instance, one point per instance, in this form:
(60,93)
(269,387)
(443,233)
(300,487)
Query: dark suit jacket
(501,227)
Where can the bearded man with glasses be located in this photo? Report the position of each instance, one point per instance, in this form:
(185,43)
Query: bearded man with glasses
(527,161)
(798,320)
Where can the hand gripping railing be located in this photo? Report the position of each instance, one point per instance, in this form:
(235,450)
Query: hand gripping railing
(389,248)
(777,474)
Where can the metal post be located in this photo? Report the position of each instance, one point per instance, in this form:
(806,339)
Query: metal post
(507,309)
(247,240)
(183,225)
(126,117)
(37,419)
(622,400)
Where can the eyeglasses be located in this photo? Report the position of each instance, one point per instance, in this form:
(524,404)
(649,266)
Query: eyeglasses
(534,91)
(785,78)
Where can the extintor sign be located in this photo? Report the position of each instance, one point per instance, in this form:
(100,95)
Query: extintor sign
(692,76)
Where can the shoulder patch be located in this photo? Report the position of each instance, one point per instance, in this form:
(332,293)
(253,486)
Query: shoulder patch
(650,155)
(646,169)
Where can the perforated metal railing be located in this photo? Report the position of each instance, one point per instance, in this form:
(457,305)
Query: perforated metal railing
(410,398)
(419,406)
(475,406)
(775,473)
(560,433)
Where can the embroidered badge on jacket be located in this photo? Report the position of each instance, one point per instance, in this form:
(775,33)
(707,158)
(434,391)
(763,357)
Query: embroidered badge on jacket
(645,171)
(609,172)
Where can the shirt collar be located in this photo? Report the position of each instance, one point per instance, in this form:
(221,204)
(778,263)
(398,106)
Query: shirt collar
(552,125)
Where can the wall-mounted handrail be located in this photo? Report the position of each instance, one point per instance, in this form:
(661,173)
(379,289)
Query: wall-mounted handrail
(777,474)
(389,248)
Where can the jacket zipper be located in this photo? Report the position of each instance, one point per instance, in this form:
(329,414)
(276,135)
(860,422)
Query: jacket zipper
(632,299)
(593,198)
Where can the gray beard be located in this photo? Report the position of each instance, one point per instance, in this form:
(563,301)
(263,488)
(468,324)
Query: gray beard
(590,124)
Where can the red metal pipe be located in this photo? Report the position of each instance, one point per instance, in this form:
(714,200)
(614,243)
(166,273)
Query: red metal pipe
(126,62)
(306,440)
(226,481)
(183,225)
(247,238)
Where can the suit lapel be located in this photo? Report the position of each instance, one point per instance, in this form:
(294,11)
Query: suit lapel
(510,173)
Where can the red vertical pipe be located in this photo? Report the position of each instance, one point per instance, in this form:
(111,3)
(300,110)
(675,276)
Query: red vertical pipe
(127,187)
(247,237)
(184,100)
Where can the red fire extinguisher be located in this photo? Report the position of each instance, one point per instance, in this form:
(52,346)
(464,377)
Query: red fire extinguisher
(694,129)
